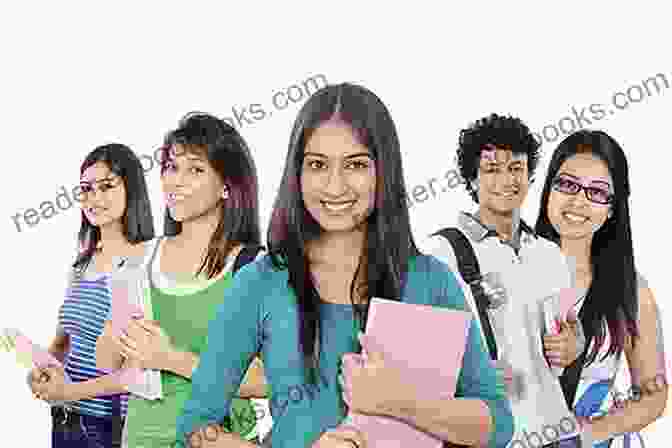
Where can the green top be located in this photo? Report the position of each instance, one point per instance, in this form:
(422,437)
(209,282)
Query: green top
(184,317)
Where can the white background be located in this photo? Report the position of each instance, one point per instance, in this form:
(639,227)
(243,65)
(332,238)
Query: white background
(75,77)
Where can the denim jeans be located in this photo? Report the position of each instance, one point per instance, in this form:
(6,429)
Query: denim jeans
(74,430)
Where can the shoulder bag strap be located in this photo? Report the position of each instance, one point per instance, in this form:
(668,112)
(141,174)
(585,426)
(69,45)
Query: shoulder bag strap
(471,273)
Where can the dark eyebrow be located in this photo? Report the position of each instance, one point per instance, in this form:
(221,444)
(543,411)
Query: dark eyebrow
(104,179)
(490,162)
(568,175)
(600,183)
(351,156)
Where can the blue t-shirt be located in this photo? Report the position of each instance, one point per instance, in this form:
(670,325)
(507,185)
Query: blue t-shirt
(259,314)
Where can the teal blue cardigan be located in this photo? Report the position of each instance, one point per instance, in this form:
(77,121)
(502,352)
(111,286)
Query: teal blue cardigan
(259,315)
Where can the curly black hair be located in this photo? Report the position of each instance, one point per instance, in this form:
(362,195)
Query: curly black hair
(500,131)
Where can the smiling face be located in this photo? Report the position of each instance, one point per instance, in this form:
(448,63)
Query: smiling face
(502,180)
(191,186)
(104,195)
(570,212)
(338,178)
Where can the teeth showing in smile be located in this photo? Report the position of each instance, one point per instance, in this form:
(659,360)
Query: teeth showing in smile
(574,218)
(507,195)
(337,206)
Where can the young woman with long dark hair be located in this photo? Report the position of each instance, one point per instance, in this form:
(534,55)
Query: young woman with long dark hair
(116,224)
(339,235)
(584,208)
(211,227)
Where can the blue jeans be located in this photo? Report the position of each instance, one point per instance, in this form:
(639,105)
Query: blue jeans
(74,430)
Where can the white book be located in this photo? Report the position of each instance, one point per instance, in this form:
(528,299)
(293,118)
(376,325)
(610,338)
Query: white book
(129,284)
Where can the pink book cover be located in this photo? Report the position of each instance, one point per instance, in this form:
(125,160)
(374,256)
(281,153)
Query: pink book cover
(127,304)
(31,353)
(123,310)
(429,343)
(558,306)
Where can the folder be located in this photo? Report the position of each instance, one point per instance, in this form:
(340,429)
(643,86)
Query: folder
(428,342)
(28,353)
(128,302)
(558,306)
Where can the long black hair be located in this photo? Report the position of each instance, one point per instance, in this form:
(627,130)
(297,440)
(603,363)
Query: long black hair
(137,221)
(389,243)
(611,299)
(231,159)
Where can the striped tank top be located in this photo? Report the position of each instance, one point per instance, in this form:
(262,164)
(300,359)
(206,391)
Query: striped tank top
(82,316)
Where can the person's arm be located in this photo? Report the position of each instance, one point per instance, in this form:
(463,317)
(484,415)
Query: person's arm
(646,361)
(182,363)
(110,384)
(165,357)
(60,345)
(234,340)
(108,356)
(480,414)
(58,348)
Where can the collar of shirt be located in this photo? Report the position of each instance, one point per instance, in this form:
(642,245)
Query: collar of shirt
(478,231)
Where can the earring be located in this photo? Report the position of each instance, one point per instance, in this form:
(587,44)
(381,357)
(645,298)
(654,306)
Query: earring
(225,193)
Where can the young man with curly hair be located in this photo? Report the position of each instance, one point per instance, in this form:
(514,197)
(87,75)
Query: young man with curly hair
(497,158)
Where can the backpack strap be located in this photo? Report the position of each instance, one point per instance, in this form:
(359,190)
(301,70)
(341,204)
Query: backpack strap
(470,270)
(246,255)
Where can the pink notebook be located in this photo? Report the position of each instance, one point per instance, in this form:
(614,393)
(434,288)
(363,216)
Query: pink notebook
(123,310)
(429,342)
(558,306)
(30,352)
(128,286)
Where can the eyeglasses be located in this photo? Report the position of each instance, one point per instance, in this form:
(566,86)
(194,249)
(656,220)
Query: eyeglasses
(568,185)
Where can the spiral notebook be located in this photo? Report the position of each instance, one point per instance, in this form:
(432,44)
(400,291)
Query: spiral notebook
(428,343)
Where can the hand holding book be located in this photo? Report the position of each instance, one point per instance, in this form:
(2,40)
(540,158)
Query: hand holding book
(563,337)
(397,367)
(127,318)
(47,377)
